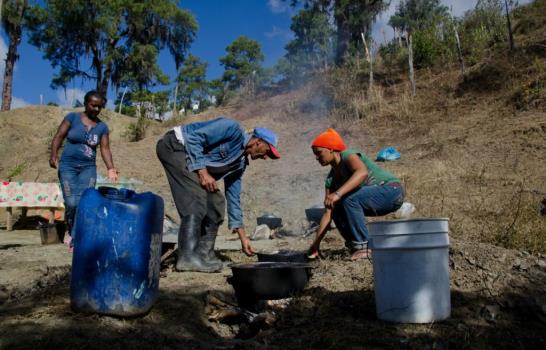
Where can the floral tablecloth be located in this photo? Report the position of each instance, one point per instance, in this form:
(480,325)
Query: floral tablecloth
(30,194)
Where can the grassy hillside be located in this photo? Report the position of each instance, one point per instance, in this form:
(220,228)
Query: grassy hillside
(473,147)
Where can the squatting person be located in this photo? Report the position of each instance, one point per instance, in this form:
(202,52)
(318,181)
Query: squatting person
(356,187)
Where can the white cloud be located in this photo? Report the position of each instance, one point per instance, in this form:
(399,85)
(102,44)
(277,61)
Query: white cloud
(17,102)
(279,32)
(279,6)
(67,98)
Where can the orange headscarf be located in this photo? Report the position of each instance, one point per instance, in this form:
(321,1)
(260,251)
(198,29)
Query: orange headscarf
(330,139)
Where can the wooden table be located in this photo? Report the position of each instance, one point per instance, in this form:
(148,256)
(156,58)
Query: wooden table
(29,195)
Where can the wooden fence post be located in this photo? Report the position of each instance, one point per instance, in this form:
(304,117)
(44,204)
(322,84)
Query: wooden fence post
(410,62)
(370,62)
(459,49)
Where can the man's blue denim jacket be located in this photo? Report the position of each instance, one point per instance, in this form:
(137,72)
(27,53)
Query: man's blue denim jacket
(217,143)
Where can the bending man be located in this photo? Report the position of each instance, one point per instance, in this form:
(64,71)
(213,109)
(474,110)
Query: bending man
(195,156)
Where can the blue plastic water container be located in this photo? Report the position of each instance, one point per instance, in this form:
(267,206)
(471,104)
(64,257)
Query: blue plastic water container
(117,252)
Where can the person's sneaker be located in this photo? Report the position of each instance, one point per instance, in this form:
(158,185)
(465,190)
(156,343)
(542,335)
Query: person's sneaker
(361,254)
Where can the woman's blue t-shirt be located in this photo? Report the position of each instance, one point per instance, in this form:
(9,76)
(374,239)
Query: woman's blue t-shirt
(81,144)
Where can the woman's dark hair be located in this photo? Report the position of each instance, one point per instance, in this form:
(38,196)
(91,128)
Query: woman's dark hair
(94,93)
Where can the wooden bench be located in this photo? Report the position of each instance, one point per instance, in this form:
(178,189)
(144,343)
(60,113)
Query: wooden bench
(26,195)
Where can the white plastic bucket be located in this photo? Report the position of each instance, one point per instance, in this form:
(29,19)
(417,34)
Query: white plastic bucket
(411,269)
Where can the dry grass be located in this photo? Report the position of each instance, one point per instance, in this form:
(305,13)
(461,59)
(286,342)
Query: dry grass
(472,149)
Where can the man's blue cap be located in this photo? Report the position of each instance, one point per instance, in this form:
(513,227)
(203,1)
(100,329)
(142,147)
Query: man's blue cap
(271,138)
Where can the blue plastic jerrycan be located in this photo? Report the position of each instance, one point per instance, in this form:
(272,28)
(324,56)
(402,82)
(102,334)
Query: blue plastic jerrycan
(117,252)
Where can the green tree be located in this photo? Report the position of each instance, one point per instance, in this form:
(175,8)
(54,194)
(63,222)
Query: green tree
(140,69)
(192,83)
(429,24)
(242,63)
(312,46)
(412,15)
(351,17)
(481,28)
(217,90)
(144,103)
(117,38)
(13,15)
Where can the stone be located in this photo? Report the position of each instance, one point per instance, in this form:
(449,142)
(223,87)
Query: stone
(490,312)
(261,232)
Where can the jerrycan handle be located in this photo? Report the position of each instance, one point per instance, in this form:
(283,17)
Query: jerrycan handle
(121,194)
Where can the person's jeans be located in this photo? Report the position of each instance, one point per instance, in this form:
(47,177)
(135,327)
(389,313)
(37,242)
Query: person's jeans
(74,180)
(350,212)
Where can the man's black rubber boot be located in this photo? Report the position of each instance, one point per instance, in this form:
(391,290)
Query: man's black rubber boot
(205,248)
(189,258)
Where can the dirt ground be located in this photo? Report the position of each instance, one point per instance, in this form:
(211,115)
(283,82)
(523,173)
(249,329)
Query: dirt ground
(497,302)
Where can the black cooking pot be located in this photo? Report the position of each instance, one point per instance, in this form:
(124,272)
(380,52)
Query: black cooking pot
(270,220)
(314,214)
(268,280)
(283,256)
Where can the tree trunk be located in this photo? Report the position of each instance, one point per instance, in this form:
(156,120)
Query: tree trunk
(103,83)
(370,62)
(12,56)
(343,35)
(410,62)
(509,25)
(121,101)
(398,36)
(459,49)
(175,111)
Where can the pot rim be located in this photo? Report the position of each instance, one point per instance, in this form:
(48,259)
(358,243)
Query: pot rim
(283,252)
(269,265)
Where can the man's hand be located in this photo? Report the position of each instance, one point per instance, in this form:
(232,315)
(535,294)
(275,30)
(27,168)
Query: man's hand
(207,181)
(245,242)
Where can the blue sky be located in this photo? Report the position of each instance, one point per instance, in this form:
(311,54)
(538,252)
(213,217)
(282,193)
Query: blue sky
(220,22)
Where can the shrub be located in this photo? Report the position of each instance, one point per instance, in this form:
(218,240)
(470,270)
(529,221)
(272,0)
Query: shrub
(17,170)
(136,131)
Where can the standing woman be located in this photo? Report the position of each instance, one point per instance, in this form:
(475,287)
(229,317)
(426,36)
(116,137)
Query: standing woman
(77,167)
(356,187)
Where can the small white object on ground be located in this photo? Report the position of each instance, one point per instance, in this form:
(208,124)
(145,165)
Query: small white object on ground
(405,211)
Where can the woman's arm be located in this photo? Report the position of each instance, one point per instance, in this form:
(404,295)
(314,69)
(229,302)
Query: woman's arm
(322,230)
(360,173)
(56,143)
(106,155)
